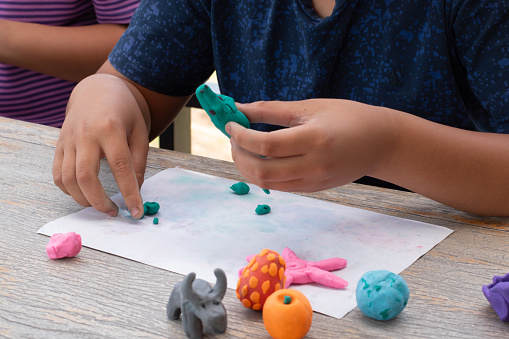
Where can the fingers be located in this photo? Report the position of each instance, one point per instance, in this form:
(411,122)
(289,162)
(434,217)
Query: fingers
(282,113)
(284,174)
(263,169)
(57,169)
(119,158)
(76,167)
(76,174)
(87,171)
(281,143)
(138,145)
(69,177)
(286,164)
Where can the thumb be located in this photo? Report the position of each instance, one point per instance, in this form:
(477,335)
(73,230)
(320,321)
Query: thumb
(233,129)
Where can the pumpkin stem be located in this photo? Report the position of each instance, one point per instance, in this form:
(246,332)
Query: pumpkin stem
(287,300)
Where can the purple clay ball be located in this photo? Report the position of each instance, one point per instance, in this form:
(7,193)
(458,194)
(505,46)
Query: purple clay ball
(497,294)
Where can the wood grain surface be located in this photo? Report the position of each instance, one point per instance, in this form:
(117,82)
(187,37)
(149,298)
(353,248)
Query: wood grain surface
(98,295)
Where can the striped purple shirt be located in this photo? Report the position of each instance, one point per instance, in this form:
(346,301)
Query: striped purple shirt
(40,98)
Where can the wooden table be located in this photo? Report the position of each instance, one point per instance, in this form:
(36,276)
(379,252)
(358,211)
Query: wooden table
(101,295)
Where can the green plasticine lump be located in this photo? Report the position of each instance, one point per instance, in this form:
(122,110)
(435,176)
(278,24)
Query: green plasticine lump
(220,108)
(240,188)
(151,207)
(262,209)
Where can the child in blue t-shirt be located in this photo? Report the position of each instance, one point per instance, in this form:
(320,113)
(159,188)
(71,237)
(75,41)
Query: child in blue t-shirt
(414,93)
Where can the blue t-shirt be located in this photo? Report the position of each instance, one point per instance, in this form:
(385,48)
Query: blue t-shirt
(443,60)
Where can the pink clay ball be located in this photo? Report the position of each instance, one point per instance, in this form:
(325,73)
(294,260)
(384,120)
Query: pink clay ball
(63,245)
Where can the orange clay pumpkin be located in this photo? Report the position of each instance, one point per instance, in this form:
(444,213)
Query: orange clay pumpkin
(287,314)
(264,275)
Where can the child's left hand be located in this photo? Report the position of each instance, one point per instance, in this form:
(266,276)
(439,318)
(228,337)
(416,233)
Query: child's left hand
(329,142)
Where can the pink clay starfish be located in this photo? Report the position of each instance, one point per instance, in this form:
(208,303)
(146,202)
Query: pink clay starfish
(300,271)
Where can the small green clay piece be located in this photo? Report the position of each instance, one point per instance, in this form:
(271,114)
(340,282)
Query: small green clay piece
(287,300)
(240,188)
(262,209)
(220,108)
(155,221)
(151,207)
(266,190)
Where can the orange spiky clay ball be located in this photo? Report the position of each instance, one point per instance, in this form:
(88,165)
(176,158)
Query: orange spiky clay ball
(264,275)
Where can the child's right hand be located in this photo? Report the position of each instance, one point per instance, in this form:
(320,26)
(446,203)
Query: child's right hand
(106,117)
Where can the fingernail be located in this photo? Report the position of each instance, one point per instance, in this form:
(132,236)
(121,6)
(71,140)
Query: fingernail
(112,213)
(228,128)
(135,212)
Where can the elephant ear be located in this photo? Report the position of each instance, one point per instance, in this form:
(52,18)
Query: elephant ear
(188,291)
(219,289)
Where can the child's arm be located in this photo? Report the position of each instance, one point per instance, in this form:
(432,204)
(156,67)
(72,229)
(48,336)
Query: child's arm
(109,116)
(333,142)
(69,53)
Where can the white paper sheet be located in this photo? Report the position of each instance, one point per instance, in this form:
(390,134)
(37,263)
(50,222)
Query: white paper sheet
(203,224)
